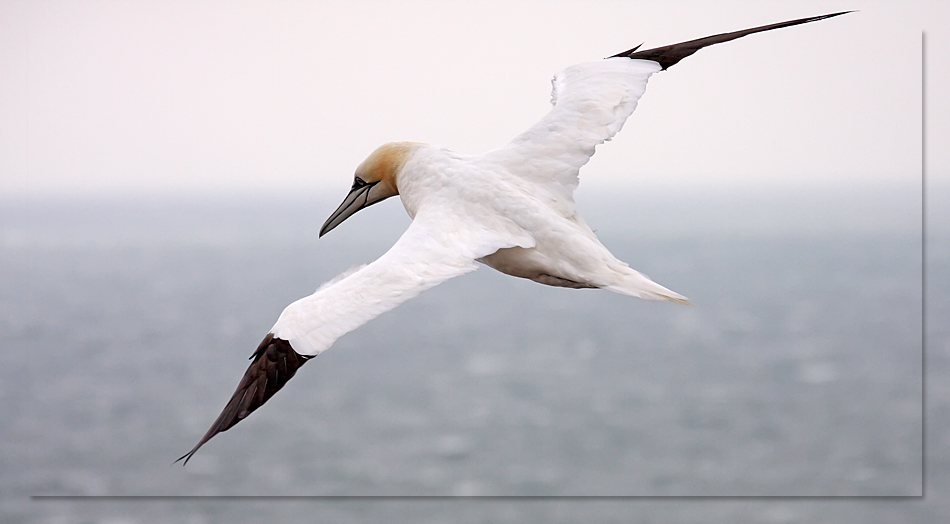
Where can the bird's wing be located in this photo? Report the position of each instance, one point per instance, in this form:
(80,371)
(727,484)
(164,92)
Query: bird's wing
(591,103)
(437,246)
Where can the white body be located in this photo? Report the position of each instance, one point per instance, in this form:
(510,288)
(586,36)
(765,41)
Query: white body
(511,208)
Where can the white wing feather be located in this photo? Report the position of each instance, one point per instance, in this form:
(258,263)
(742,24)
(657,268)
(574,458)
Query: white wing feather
(436,247)
(591,103)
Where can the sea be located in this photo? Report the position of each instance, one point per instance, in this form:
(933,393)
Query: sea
(806,383)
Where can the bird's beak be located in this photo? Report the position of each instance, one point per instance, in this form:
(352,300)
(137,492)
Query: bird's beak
(358,198)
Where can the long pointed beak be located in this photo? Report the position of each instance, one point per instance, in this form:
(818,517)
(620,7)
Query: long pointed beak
(357,199)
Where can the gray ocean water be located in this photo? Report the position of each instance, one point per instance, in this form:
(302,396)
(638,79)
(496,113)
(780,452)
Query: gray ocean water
(798,372)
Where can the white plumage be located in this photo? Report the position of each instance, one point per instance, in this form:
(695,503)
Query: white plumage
(511,208)
(426,255)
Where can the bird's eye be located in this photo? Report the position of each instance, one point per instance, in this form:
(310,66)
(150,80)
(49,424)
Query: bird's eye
(358,183)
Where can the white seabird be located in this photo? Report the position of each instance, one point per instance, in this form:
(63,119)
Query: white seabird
(511,209)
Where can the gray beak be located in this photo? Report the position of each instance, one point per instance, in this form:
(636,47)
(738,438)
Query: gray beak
(357,199)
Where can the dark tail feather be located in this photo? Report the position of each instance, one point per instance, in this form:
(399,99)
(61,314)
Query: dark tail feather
(274,363)
(668,56)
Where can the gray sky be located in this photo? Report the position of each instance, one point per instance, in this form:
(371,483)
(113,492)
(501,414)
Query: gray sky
(196,97)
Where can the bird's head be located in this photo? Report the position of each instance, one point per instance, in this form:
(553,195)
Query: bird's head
(374,181)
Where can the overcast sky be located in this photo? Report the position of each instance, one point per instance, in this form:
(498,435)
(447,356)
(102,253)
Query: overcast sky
(194,97)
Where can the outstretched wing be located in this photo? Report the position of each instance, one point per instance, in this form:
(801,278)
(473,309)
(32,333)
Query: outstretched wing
(439,244)
(436,247)
(591,103)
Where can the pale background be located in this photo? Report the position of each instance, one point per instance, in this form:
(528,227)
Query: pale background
(243,97)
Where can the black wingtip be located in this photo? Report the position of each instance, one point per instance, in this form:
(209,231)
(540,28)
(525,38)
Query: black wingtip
(668,56)
(273,364)
(187,456)
(626,53)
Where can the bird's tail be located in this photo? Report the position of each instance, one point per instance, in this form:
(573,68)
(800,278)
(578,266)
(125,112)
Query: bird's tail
(636,284)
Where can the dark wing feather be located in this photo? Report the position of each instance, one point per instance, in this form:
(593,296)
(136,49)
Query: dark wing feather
(669,55)
(273,364)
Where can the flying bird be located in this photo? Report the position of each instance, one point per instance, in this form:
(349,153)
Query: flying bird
(511,209)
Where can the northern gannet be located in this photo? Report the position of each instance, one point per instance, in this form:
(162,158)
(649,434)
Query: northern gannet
(511,209)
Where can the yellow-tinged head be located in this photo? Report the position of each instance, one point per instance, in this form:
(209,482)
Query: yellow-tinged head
(374,181)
